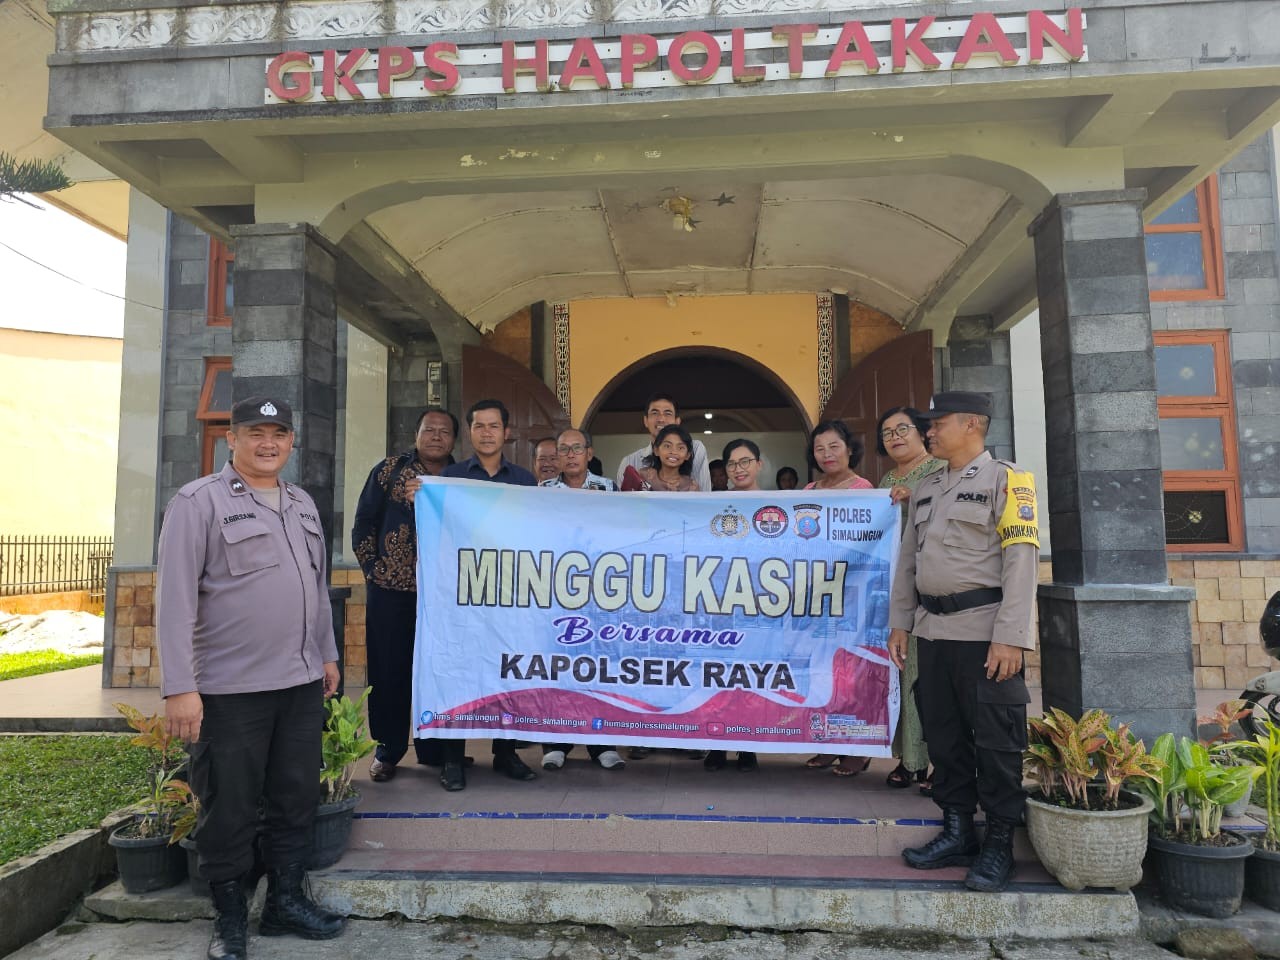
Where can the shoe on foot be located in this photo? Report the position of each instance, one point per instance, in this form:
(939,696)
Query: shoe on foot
(715,760)
(231,924)
(611,760)
(380,771)
(955,846)
(452,778)
(553,760)
(513,766)
(993,869)
(289,909)
(639,753)
(747,761)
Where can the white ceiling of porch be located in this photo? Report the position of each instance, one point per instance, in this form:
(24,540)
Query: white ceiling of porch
(887,241)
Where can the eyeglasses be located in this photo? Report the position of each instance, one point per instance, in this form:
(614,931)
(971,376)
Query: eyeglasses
(572,448)
(902,430)
(740,464)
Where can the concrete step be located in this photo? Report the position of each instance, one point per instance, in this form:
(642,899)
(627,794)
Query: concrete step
(762,892)
(673,833)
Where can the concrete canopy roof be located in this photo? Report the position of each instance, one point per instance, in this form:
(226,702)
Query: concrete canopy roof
(26,40)
(912,192)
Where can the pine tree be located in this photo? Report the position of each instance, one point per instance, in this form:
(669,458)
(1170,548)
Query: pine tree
(29,176)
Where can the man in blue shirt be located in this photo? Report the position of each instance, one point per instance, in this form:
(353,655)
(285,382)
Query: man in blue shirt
(487,426)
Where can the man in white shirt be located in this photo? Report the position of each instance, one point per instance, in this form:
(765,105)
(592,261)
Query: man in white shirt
(660,411)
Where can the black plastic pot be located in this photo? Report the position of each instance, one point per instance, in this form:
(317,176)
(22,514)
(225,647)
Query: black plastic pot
(1262,878)
(1208,881)
(332,832)
(147,863)
(199,885)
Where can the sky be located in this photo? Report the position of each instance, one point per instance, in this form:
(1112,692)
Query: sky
(36,245)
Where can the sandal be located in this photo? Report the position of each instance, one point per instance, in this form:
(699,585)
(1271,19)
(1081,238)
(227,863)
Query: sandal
(900,779)
(842,769)
(926,782)
(819,761)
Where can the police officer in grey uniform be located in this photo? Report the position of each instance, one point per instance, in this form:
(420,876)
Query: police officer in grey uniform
(247,657)
(965,585)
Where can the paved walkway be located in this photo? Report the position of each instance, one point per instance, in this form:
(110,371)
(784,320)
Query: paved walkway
(480,941)
(69,701)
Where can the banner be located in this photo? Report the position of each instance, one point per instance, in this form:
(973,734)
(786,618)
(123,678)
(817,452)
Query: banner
(753,621)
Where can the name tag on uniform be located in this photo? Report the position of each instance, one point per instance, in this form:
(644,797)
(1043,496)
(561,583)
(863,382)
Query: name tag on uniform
(971,496)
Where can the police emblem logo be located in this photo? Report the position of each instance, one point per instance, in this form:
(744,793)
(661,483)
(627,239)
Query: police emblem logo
(730,523)
(268,409)
(1026,512)
(808,520)
(770,521)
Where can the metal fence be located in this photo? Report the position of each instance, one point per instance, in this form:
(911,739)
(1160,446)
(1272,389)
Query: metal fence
(54,564)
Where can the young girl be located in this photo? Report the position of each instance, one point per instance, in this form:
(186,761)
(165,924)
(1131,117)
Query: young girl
(670,466)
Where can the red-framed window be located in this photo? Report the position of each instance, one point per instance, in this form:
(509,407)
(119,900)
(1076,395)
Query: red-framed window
(1202,499)
(1184,247)
(214,413)
(220,299)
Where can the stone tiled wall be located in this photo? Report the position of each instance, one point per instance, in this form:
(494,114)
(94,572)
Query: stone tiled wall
(130,658)
(1230,596)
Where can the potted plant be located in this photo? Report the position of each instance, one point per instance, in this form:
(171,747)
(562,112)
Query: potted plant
(345,742)
(1225,750)
(146,855)
(1087,830)
(1262,869)
(1200,866)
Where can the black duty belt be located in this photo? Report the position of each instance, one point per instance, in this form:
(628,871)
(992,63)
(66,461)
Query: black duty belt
(960,601)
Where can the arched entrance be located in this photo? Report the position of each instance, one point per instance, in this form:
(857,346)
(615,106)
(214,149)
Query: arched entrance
(722,395)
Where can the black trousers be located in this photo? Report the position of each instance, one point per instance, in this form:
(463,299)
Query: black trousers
(257,753)
(976,729)
(391,618)
(454,751)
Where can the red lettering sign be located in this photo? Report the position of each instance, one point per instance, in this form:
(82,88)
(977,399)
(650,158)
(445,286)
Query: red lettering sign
(339,72)
(1070,43)
(995,42)
(287,83)
(853,46)
(442,75)
(738,58)
(795,34)
(537,65)
(903,43)
(639,51)
(583,62)
(394,63)
(701,40)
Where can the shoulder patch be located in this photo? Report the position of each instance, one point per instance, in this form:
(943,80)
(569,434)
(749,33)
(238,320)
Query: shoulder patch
(1018,522)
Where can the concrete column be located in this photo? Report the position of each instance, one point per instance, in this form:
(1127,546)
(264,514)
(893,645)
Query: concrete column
(284,343)
(978,361)
(407,390)
(1113,634)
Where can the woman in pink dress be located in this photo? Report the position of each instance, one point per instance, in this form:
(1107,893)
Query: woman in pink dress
(835,451)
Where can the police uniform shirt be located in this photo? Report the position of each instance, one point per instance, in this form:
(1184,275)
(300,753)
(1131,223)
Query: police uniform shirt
(967,529)
(242,600)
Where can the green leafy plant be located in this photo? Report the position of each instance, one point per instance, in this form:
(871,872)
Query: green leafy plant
(1190,778)
(1221,744)
(345,742)
(166,794)
(1264,752)
(1084,763)
(29,176)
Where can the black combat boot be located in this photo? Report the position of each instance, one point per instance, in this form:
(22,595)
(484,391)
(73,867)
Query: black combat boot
(231,925)
(993,869)
(289,910)
(955,846)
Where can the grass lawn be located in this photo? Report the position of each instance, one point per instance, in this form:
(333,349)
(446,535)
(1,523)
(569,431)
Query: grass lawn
(54,784)
(32,662)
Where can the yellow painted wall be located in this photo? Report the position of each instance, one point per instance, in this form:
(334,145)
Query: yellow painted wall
(60,407)
(779,331)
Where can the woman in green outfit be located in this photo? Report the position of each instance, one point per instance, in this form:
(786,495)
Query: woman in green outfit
(900,435)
